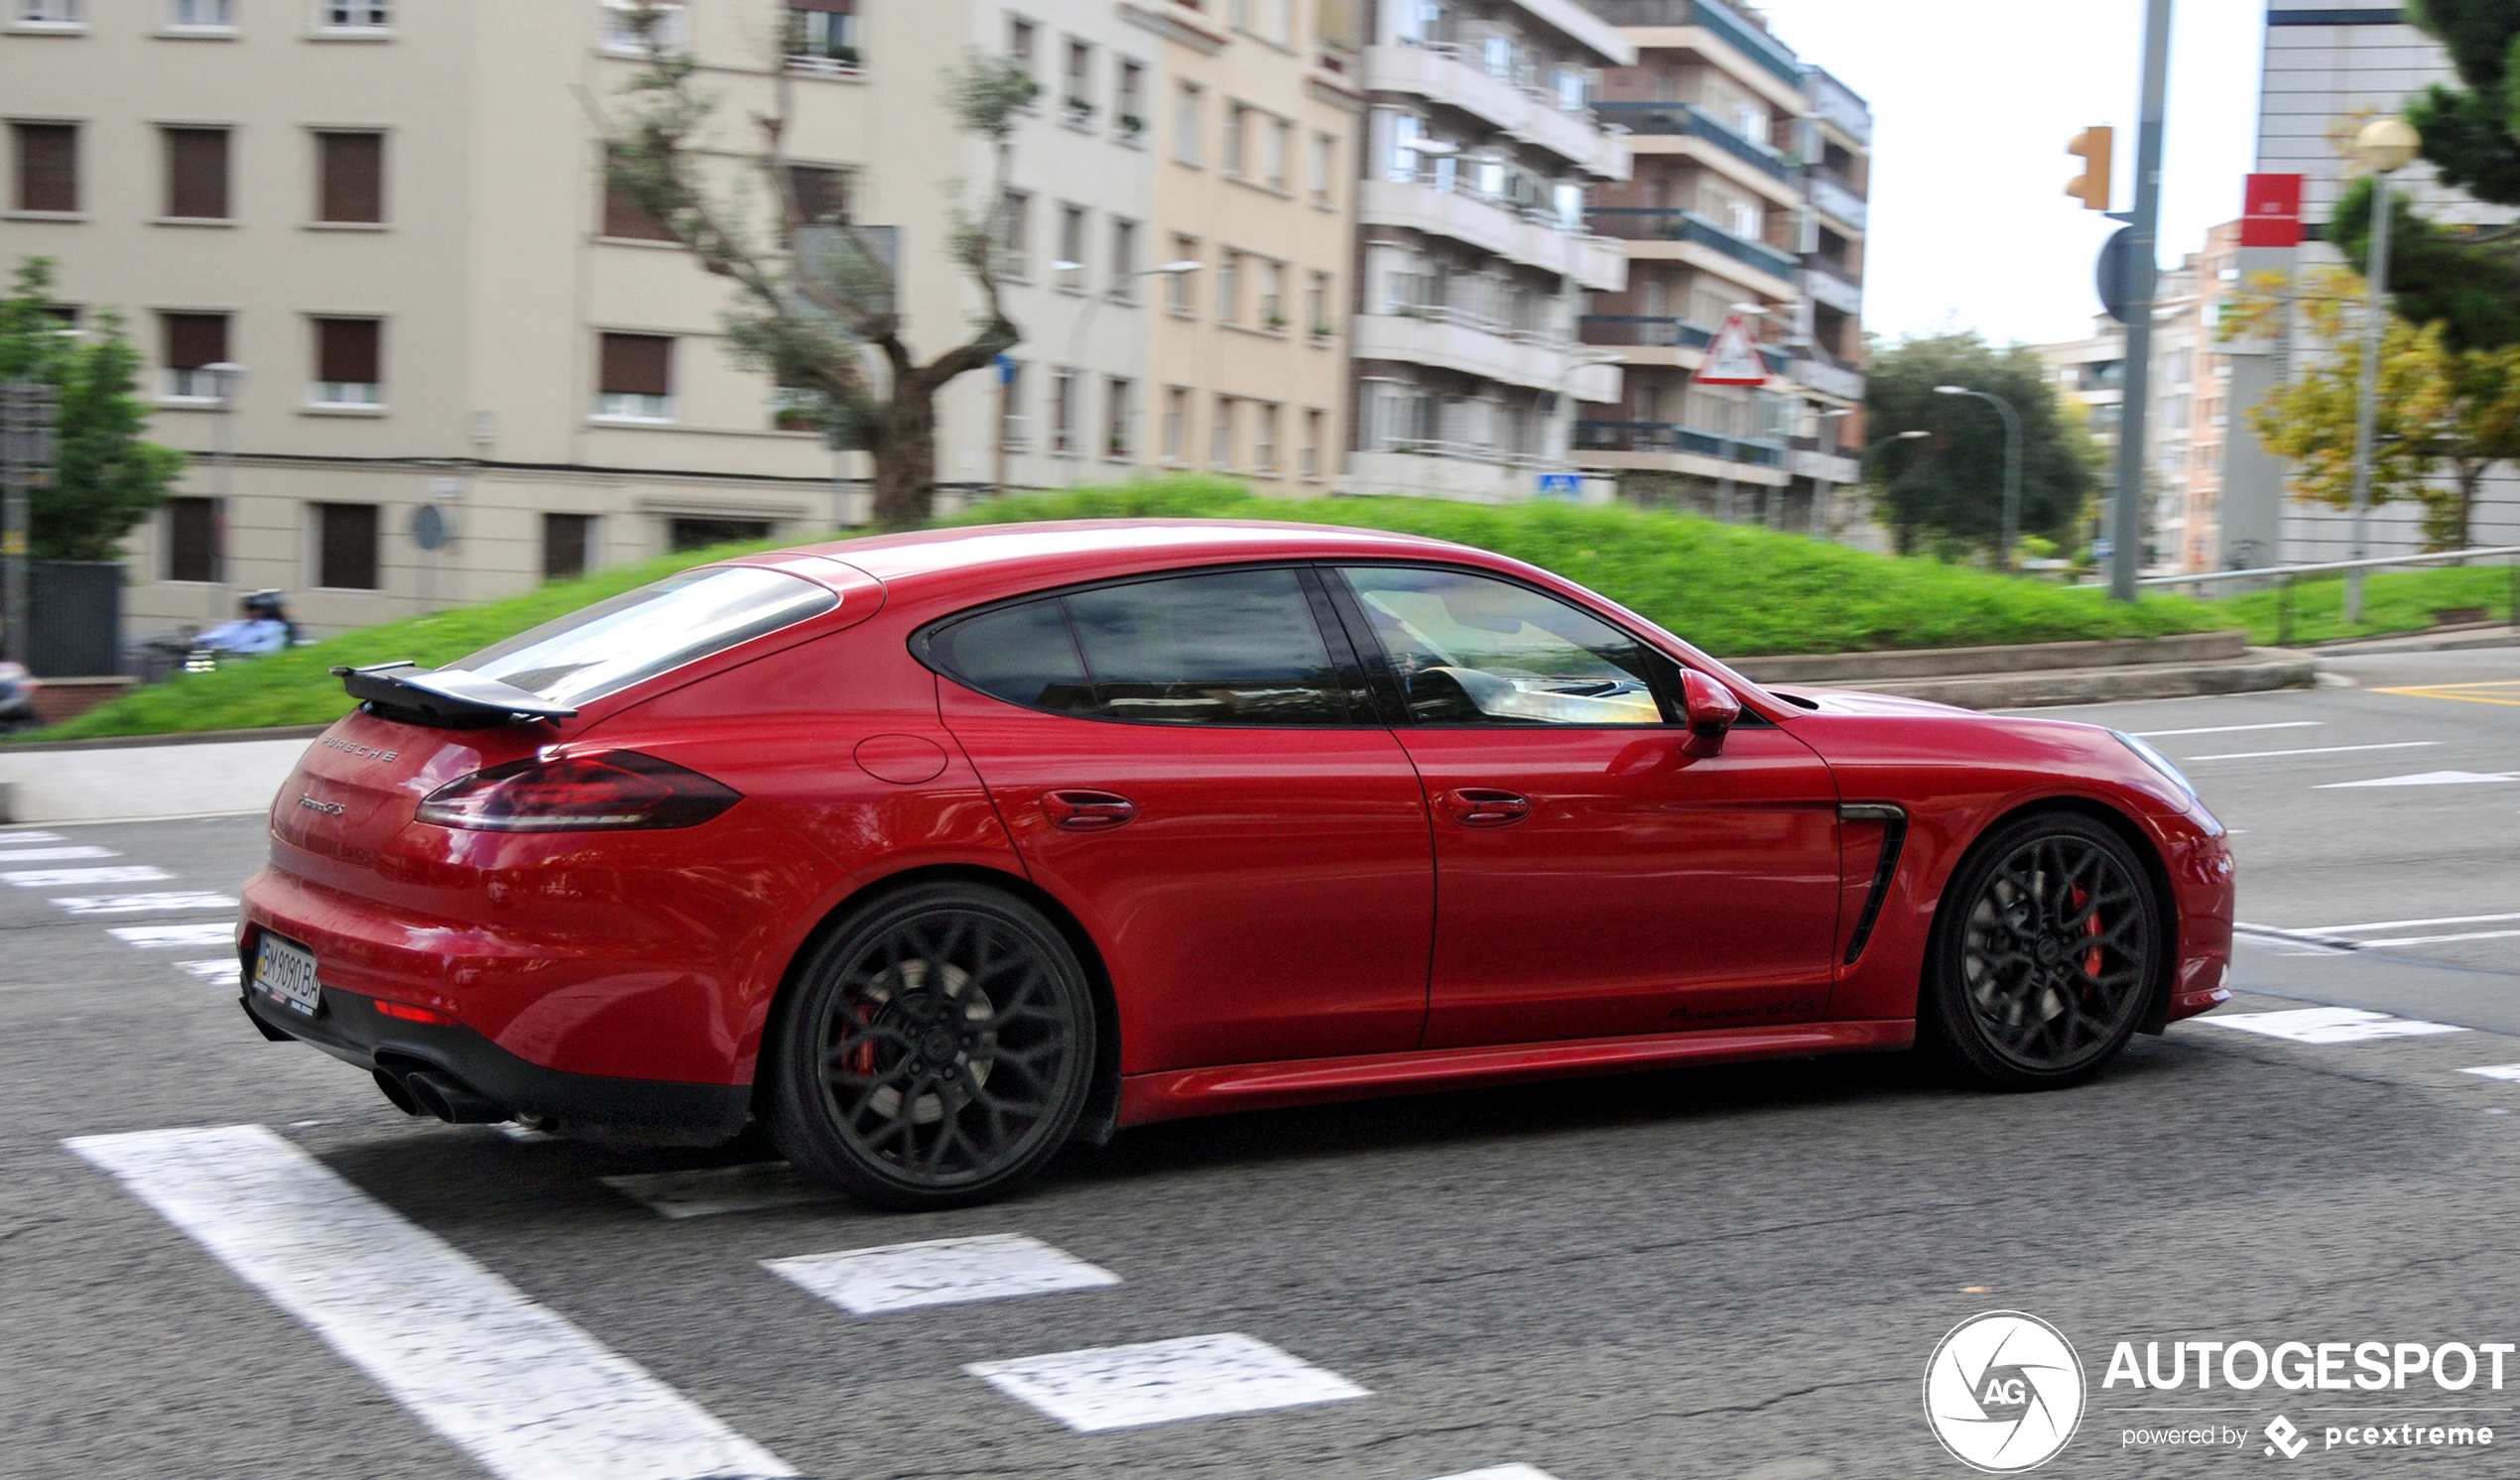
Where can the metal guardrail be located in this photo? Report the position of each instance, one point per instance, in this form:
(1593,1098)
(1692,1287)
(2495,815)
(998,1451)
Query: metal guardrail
(2285,577)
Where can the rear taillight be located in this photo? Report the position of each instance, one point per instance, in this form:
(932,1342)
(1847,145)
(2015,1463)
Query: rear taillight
(617,789)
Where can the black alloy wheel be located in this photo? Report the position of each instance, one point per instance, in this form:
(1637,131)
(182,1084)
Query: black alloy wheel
(934,1051)
(2047,944)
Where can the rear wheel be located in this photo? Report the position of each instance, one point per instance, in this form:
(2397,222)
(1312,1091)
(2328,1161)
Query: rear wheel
(2049,938)
(935,1049)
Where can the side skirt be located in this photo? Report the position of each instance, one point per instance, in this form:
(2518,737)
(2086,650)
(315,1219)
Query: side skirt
(1177,1094)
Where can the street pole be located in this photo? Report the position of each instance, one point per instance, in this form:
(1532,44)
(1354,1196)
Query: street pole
(2012,468)
(2385,145)
(2142,264)
(26,450)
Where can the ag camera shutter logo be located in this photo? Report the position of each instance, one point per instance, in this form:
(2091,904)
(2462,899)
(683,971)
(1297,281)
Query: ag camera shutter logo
(2004,1392)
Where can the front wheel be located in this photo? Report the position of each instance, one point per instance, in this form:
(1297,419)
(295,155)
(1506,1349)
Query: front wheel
(936,1050)
(2048,939)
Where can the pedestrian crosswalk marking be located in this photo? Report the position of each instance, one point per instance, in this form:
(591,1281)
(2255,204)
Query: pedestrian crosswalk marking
(2505,1071)
(145,904)
(161,936)
(939,1272)
(2328,1025)
(122,873)
(55,855)
(1104,1388)
(750,1187)
(225,973)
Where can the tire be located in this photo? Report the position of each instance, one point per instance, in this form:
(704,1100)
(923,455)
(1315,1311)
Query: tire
(934,1051)
(2045,951)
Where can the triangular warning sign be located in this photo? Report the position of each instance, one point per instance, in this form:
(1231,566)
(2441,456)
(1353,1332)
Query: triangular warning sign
(1733,359)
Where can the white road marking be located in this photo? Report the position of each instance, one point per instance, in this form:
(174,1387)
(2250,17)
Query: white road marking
(744,1188)
(2438,940)
(1504,1472)
(1164,1382)
(2316,750)
(12,839)
(939,1272)
(2505,1071)
(2328,1025)
(2314,944)
(524,1392)
(226,973)
(514,1132)
(56,855)
(152,938)
(2407,924)
(2227,730)
(144,903)
(128,872)
(2420,778)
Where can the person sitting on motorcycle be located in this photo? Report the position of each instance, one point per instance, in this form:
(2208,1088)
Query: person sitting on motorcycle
(262,626)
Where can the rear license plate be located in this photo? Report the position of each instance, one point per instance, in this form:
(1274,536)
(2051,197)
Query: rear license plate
(285,971)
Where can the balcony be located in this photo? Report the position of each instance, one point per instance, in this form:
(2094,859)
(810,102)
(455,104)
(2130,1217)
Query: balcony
(1666,436)
(1451,340)
(1640,331)
(1532,240)
(1688,118)
(1838,107)
(1657,224)
(1828,284)
(1464,472)
(1828,379)
(1721,21)
(1440,74)
(1832,198)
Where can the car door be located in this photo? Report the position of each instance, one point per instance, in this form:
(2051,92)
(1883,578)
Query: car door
(1591,879)
(1191,766)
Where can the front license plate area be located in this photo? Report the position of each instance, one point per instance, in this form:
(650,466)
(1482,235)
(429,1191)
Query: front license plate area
(285,972)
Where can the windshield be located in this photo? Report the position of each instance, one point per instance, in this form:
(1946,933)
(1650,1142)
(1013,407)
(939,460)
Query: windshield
(639,634)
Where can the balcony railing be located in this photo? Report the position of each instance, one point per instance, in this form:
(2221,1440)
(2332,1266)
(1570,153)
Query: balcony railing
(1688,118)
(1831,100)
(1643,332)
(1666,436)
(1832,198)
(1656,224)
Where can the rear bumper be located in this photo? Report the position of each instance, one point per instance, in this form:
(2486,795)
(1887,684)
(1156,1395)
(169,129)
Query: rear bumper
(349,1028)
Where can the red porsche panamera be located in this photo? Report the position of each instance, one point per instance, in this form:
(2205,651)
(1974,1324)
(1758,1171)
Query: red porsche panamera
(933,851)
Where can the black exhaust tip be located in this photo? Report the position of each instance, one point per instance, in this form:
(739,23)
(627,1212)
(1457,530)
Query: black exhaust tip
(453,1101)
(399,1092)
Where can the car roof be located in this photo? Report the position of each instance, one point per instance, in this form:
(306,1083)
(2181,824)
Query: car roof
(1050,553)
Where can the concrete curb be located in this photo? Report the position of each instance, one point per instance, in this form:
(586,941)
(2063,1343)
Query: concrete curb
(132,783)
(1867,668)
(184,737)
(2262,669)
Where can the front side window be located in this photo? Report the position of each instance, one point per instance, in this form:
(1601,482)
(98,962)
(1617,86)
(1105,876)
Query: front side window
(639,634)
(1475,650)
(1227,647)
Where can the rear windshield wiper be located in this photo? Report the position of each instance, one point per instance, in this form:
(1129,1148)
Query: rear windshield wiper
(445,698)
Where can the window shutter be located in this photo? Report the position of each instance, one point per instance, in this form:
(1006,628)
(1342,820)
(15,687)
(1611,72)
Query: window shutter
(637,365)
(821,193)
(195,340)
(624,218)
(47,166)
(353,177)
(345,350)
(191,538)
(826,7)
(349,546)
(196,174)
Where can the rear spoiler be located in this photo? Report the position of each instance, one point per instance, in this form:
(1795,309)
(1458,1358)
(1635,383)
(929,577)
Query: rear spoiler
(445,698)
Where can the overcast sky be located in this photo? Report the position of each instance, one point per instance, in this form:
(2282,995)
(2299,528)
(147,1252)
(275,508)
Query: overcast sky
(1973,103)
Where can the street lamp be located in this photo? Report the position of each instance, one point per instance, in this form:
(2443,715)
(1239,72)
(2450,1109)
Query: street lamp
(2012,467)
(1084,317)
(2384,146)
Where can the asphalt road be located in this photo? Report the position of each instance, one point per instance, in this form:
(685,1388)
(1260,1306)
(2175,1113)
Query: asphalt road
(1735,1273)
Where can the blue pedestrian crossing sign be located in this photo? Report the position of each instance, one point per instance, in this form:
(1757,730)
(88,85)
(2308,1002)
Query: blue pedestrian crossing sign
(1561,485)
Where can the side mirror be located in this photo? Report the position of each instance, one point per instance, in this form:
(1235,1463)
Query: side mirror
(1710,709)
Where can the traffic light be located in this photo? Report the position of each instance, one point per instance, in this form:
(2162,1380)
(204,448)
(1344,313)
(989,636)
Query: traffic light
(2093,147)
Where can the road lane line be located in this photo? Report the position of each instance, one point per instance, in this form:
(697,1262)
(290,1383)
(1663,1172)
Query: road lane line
(2228,729)
(2316,750)
(2422,779)
(2437,939)
(2328,1025)
(1104,1388)
(1511,1472)
(12,839)
(2317,942)
(158,936)
(939,1272)
(56,855)
(2407,924)
(2509,1073)
(520,1389)
(134,873)
(2460,691)
(744,1188)
(145,904)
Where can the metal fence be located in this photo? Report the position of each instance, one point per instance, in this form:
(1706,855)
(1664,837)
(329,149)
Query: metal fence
(76,628)
(2286,578)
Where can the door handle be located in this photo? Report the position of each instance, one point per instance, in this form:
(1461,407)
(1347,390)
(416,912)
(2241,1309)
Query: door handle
(1088,812)
(1487,807)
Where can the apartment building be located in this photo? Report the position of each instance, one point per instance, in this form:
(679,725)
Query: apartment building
(1748,197)
(1258,113)
(1472,253)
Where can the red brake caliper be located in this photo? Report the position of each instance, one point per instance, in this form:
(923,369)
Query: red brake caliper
(2090,927)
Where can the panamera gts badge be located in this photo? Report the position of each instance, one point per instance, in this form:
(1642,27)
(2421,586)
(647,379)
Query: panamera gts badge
(329,808)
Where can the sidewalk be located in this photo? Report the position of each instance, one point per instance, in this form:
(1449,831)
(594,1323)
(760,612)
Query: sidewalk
(144,781)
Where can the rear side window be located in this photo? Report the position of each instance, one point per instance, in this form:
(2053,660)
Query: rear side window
(1228,647)
(639,634)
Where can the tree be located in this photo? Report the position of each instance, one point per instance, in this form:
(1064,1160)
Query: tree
(2440,407)
(1951,493)
(820,300)
(105,478)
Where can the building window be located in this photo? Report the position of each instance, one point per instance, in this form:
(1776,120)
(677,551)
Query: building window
(1308,457)
(194,342)
(1015,432)
(192,542)
(624,219)
(1316,306)
(823,37)
(1190,111)
(346,546)
(196,174)
(1273,295)
(350,177)
(1237,128)
(1178,294)
(1022,40)
(1177,425)
(566,539)
(201,15)
(821,193)
(355,15)
(1121,413)
(1062,412)
(1130,101)
(682,535)
(347,362)
(1264,437)
(1220,436)
(50,12)
(637,377)
(1079,82)
(48,166)
(1229,287)
(1124,261)
(1273,157)
(1069,271)
(1747,220)
(1325,166)
(632,27)
(1014,236)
